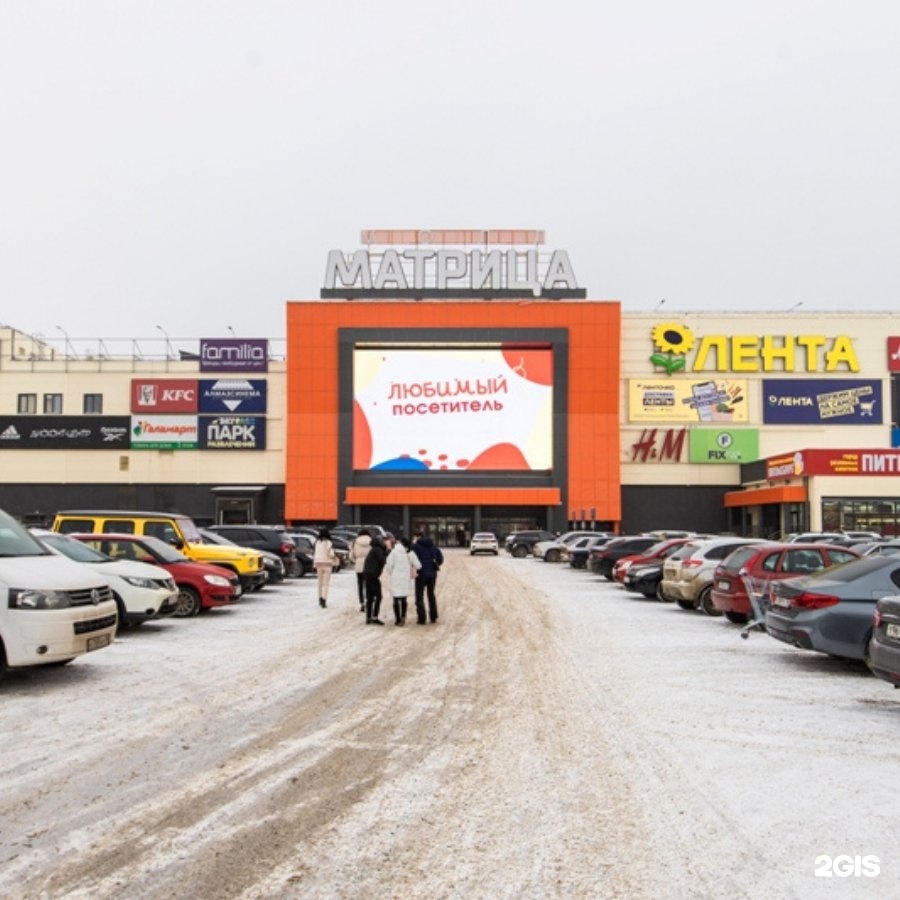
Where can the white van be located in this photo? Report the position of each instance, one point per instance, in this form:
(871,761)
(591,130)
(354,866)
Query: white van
(51,609)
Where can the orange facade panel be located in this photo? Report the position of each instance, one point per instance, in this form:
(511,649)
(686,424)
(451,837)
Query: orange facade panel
(312,491)
(368,496)
(782,493)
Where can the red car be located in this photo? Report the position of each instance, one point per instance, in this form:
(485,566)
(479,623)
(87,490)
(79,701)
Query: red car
(764,563)
(651,554)
(200,586)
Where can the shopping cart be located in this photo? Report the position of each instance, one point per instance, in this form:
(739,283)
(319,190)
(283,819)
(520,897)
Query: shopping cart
(759,593)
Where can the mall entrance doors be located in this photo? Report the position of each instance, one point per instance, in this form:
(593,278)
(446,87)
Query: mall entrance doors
(445,531)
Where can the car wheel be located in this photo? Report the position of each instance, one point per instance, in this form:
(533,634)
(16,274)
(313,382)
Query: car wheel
(736,617)
(686,604)
(551,556)
(187,603)
(520,552)
(706,603)
(867,651)
(120,609)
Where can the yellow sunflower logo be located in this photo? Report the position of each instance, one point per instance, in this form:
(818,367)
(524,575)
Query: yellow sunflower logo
(674,341)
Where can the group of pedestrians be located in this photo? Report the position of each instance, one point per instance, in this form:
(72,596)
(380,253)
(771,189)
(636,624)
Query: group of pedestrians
(408,569)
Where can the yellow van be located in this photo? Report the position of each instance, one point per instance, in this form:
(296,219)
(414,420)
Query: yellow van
(178,530)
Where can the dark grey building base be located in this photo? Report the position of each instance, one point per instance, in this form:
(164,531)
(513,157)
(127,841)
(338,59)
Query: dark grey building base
(36,504)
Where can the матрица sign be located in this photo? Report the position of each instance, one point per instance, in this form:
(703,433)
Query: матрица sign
(418,272)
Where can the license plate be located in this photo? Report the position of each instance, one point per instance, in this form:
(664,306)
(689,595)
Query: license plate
(723,585)
(892,631)
(781,602)
(98,641)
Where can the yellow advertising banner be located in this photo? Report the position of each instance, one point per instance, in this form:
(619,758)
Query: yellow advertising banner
(712,400)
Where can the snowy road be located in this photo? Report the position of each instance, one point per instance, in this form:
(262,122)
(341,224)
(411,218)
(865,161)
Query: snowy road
(550,737)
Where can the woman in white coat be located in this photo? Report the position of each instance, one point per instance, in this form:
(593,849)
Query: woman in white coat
(400,569)
(324,561)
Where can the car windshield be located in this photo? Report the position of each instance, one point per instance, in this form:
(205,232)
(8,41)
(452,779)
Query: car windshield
(189,530)
(161,550)
(73,548)
(856,568)
(736,559)
(16,541)
(658,547)
(686,550)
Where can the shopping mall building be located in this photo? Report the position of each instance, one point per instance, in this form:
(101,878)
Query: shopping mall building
(462,380)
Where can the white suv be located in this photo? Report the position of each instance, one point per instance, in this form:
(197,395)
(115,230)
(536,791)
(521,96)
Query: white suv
(484,542)
(688,573)
(141,591)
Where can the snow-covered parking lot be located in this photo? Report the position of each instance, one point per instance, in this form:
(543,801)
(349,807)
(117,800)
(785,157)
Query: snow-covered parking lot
(550,736)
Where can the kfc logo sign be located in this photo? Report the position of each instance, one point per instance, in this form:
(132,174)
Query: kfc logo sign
(893,354)
(163,395)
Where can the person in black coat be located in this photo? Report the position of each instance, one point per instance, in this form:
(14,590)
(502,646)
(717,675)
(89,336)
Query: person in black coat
(372,569)
(432,559)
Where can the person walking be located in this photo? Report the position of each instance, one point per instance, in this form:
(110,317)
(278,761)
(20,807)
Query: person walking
(359,550)
(324,561)
(431,560)
(372,569)
(400,568)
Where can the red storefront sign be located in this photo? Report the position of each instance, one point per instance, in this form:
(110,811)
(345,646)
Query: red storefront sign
(163,395)
(833,462)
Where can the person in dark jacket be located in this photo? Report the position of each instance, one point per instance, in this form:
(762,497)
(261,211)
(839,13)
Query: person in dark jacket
(432,559)
(372,569)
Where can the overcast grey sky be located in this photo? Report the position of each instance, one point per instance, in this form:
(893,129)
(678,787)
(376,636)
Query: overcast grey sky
(190,163)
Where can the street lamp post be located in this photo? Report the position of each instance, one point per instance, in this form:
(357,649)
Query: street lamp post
(69,350)
(170,353)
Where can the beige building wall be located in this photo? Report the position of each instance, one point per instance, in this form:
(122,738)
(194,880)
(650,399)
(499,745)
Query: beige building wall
(866,333)
(32,367)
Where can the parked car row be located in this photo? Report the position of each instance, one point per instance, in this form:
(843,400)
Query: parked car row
(178,530)
(200,585)
(65,591)
(840,599)
(832,593)
(141,590)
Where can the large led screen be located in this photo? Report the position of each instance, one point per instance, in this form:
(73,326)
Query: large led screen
(425,409)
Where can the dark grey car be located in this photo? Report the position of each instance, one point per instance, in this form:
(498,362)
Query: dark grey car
(521,543)
(884,648)
(831,611)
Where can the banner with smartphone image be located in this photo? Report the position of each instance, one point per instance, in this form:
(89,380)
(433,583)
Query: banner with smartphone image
(719,400)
